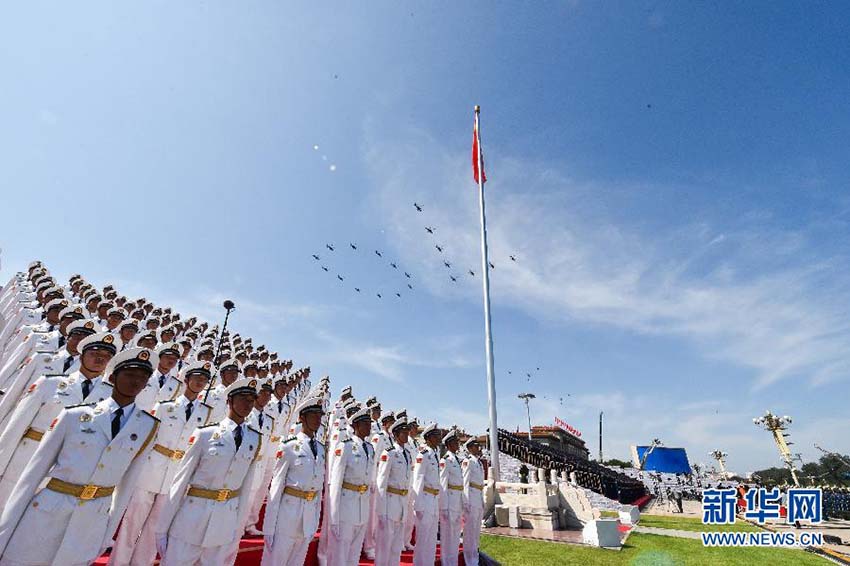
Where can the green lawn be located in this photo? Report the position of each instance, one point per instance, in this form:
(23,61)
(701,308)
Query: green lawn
(640,550)
(692,524)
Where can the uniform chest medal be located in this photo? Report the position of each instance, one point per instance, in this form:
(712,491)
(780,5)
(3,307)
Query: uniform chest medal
(98,411)
(216,435)
(85,417)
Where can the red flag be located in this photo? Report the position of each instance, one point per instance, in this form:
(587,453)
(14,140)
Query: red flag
(476,143)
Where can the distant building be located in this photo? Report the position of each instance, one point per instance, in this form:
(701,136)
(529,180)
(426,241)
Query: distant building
(559,439)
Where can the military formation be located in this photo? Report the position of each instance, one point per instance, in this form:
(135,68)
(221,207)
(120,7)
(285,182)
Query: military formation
(127,430)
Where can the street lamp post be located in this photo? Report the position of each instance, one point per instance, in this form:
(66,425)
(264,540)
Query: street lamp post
(777,425)
(527,397)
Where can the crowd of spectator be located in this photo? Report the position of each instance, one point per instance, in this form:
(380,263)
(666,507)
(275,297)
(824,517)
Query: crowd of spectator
(588,474)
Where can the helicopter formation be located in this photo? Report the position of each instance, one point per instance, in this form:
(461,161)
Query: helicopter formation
(441,248)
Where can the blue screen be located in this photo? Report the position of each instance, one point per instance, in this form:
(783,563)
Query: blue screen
(669,460)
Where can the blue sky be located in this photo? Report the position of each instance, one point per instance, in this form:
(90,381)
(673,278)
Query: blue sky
(670,176)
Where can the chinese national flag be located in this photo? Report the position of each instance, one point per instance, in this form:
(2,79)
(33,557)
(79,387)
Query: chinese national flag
(476,143)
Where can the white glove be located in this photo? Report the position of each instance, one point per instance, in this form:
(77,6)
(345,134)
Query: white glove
(269,539)
(161,545)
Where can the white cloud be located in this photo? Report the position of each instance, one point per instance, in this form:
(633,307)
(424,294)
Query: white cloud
(392,361)
(745,293)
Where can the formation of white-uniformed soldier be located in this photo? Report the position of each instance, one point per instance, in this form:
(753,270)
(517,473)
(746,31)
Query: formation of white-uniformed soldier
(127,430)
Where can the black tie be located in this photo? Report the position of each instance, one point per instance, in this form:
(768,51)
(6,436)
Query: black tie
(161,381)
(86,388)
(366,448)
(189,408)
(406,457)
(61,341)
(280,406)
(237,436)
(67,364)
(116,421)
(313,447)
(261,421)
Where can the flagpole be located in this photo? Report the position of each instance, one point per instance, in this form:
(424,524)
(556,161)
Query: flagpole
(488,345)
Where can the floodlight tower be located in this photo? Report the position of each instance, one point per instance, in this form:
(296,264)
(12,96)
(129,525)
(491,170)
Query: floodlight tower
(719,455)
(777,426)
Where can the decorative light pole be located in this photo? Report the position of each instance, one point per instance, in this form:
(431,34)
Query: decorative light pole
(527,397)
(719,455)
(228,307)
(777,426)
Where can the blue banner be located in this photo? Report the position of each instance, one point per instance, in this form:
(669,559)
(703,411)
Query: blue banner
(669,460)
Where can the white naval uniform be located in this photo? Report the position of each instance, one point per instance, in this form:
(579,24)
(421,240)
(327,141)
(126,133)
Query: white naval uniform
(341,433)
(265,464)
(29,370)
(218,401)
(136,540)
(29,345)
(393,482)
(473,507)
(409,521)
(51,527)
(380,442)
(16,291)
(292,516)
(351,476)
(42,403)
(426,504)
(279,409)
(45,338)
(206,531)
(451,508)
(18,330)
(153,393)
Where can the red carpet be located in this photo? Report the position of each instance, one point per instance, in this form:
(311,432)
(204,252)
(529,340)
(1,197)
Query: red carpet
(312,559)
(642,501)
(251,551)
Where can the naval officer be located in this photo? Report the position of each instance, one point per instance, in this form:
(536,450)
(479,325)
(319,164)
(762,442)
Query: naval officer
(473,500)
(451,502)
(426,496)
(393,484)
(89,461)
(292,511)
(201,522)
(352,473)
(136,541)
